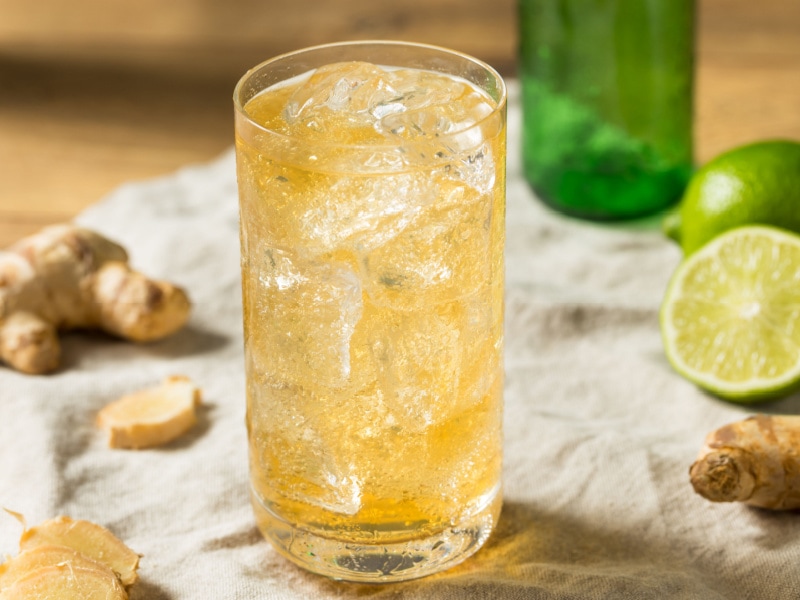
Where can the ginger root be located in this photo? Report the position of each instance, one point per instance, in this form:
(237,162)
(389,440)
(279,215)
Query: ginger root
(66,559)
(66,582)
(44,556)
(94,541)
(67,277)
(153,416)
(755,461)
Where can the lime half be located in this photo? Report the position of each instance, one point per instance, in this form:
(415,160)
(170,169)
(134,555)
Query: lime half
(730,319)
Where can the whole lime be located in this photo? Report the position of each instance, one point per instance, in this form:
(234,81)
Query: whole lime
(754,184)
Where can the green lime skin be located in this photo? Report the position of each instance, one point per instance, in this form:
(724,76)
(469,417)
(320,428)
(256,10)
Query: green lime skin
(754,184)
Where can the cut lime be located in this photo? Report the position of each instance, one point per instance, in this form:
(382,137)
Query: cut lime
(730,319)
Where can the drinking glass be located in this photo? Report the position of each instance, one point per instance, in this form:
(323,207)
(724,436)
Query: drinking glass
(372,203)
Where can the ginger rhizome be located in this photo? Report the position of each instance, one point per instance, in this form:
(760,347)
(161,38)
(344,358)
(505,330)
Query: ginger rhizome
(66,582)
(65,559)
(755,461)
(153,416)
(67,277)
(44,556)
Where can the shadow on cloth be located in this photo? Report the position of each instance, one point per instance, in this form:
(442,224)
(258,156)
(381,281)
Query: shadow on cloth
(84,347)
(197,432)
(533,554)
(189,341)
(788,405)
(144,590)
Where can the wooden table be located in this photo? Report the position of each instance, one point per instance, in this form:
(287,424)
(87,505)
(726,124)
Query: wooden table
(96,93)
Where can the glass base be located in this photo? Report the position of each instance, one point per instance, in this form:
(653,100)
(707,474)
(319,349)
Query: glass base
(380,562)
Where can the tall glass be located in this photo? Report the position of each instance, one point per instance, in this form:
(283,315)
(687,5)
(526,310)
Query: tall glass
(607,89)
(372,204)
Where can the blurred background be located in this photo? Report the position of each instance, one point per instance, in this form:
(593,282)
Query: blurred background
(94,93)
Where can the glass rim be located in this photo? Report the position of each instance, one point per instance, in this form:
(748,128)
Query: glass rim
(498,108)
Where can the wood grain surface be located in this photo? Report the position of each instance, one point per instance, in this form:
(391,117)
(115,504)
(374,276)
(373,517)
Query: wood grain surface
(96,93)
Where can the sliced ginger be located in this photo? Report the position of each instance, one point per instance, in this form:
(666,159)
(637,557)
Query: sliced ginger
(66,559)
(66,582)
(44,556)
(153,416)
(92,540)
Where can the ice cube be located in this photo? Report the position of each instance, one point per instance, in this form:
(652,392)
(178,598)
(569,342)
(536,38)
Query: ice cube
(417,356)
(464,476)
(321,213)
(293,454)
(342,102)
(474,166)
(300,316)
(438,359)
(433,104)
(443,254)
(340,96)
(369,211)
(321,447)
(481,330)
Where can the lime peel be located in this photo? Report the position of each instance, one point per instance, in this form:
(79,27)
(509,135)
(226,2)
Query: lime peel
(757,183)
(730,319)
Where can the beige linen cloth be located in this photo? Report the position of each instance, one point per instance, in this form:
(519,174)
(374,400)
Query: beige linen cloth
(599,431)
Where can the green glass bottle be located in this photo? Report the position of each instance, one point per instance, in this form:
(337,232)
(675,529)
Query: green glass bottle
(607,97)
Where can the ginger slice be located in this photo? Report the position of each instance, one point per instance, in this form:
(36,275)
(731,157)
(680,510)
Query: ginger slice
(66,582)
(45,556)
(90,539)
(153,416)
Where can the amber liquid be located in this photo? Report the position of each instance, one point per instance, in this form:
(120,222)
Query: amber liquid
(373,316)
